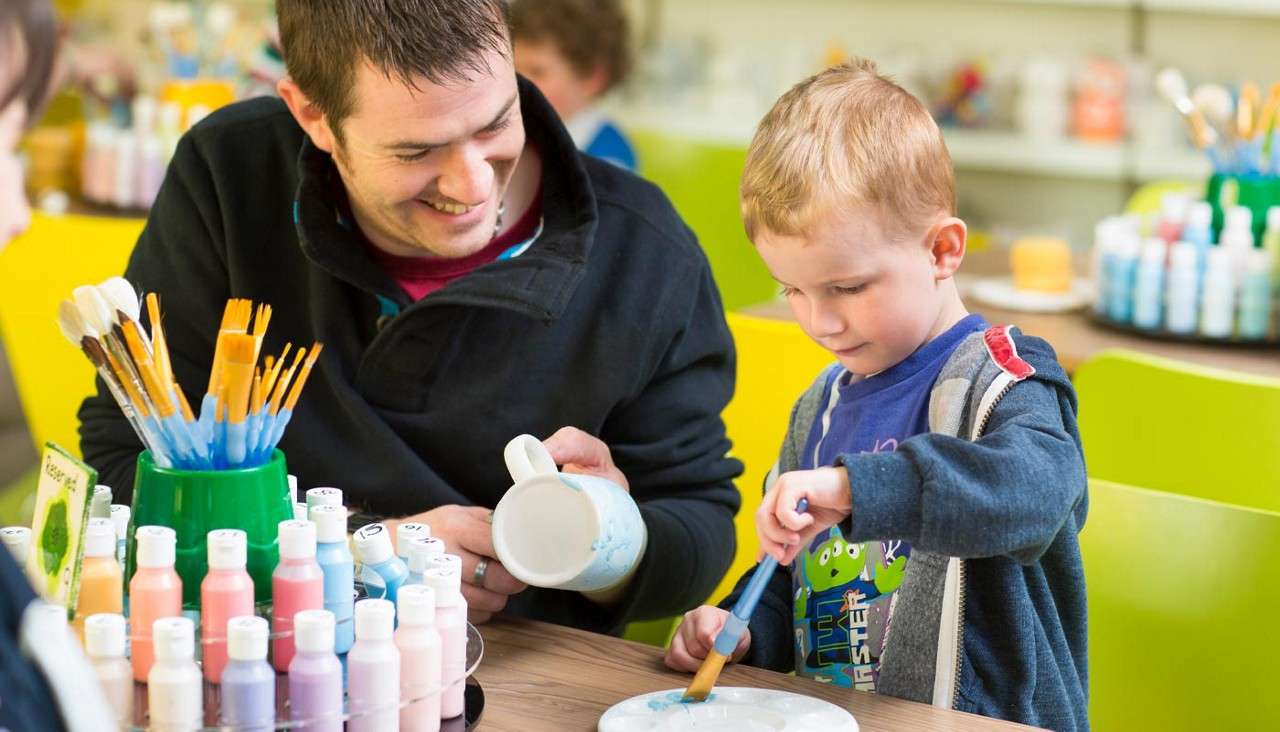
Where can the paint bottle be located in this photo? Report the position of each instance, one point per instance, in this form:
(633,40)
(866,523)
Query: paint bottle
(1217,308)
(1237,239)
(334,557)
(225,593)
(451,622)
(170,129)
(152,163)
(1271,243)
(100,504)
(175,699)
(296,585)
(101,581)
(1199,231)
(382,571)
(1100,262)
(1255,297)
(155,592)
(120,515)
(1121,280)
(1173,216)
(1148,290)
(420,659)
(299,512)
(104,644)
(373,670)
(124,183)
(96,172)
(406,533)
(315,675)
(1184,289)
(323,496)
(248,683)
(421,552)
(18,541)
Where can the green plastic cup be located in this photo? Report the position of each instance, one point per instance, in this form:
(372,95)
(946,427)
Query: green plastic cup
(1257,192)
(195,502)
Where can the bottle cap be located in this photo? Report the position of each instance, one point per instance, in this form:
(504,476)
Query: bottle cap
(227,548)
(1154,251)
(247,638)
(325,496)
(375,619)
(447,585)
(373,544)
(100,538)
(297,539)
(421,551)
(1173,206)
(313,631)
(1200,216)
(120,514)
(450,562)
(174,639)
(416,605)
(406,533)
(1259,262)
(100,504)
(18,539)
(156,546)
(1183,256)
(299,512)
(1239,218)
(50,612)
(1273,219)
(104,635)
(331,523)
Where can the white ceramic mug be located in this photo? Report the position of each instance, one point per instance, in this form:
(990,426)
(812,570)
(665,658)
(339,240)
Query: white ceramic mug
(567,532)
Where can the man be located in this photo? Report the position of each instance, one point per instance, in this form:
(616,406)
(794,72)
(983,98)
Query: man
(421,211)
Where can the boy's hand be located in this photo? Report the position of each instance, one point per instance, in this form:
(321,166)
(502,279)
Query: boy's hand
(784,532)
(697,635)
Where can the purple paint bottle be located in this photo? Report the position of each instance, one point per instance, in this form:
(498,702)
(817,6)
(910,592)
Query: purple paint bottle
(373,670)
(315,674)
(248,682)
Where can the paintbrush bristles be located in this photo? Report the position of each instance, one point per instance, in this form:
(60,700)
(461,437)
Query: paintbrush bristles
(705,680)
(301,381)
(238,375)
(159,346)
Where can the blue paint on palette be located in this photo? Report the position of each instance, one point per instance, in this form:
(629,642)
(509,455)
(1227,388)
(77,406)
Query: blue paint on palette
(672,699)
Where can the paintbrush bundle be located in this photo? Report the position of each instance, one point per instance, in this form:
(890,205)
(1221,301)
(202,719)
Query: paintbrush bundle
(246,407)
(1240,133)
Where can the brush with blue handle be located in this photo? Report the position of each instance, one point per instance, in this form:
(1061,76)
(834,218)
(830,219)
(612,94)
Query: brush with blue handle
(734,626)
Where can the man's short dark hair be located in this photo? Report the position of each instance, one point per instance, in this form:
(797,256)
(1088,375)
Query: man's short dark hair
(31,24)
(442,40)
(588,33)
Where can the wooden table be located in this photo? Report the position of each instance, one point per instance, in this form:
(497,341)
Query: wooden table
(537,676)
(1074,337)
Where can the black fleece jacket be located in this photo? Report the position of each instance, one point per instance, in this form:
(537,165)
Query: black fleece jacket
(610,322)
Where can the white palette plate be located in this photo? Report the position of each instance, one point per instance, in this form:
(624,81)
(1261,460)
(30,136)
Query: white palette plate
(728,709)
(999,292)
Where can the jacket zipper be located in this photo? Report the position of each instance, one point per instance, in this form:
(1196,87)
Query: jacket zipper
(977,433)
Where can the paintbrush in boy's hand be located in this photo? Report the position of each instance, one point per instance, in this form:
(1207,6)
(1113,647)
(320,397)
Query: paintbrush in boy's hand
(734,625)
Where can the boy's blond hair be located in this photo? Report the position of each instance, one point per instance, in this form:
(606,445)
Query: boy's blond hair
(847,136)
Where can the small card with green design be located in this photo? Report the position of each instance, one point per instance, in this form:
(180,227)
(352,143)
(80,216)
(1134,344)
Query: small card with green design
(63,495)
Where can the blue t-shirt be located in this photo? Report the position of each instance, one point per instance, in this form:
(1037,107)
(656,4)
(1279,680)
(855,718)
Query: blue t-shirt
(609,143)
(844,592)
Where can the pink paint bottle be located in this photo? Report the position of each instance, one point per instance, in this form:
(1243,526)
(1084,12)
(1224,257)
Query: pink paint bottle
(296,585)
(154,592)
(451,622)
(315,675)
(420,661)
(225,593)
(373,670)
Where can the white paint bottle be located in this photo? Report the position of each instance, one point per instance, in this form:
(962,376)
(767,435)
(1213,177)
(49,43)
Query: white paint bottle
(1182,303)
(1217,311)
(175,699)
(420,659)
(1148,289)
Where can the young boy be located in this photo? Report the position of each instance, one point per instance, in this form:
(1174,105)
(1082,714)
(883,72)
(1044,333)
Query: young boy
(576,51)
(938,560)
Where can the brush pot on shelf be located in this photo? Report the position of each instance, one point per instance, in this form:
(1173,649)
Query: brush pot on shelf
(195,502)
(1256,192)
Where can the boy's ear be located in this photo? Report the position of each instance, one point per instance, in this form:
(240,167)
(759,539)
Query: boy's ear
(597,81)
(308,115)
(947,247)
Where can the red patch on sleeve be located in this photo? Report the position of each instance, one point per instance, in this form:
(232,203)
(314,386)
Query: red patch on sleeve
(1003,351)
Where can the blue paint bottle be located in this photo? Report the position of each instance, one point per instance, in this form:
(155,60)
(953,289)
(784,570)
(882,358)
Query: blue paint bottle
(334,557)
(382,571)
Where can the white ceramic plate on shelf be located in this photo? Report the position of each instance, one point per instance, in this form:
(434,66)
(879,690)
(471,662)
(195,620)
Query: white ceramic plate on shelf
(728,709)
(999,292)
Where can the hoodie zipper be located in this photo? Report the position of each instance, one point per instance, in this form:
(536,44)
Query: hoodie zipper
(983,418)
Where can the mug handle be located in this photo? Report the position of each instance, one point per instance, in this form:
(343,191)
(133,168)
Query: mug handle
(526,457)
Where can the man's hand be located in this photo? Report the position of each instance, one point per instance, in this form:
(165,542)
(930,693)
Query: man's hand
(782,530)
(467,532)
(578,452)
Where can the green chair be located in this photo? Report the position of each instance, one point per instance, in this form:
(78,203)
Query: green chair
(1185,429)
(1183,598)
